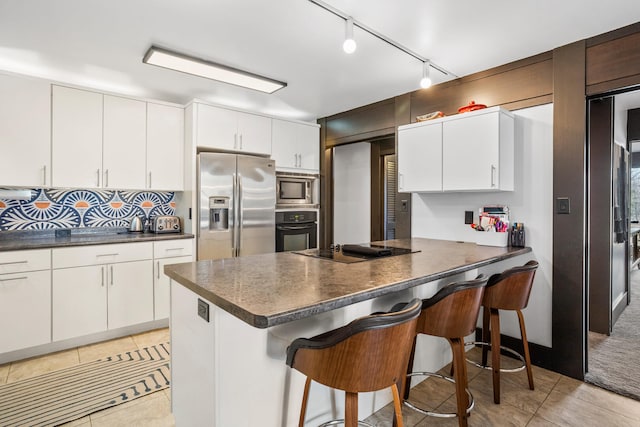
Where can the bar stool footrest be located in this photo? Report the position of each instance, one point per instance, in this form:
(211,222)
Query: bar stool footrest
(507,349)
(341,422)
(438,414)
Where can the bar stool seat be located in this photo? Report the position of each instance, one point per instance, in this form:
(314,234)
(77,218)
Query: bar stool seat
(509,290)
(368,354)
(452,313)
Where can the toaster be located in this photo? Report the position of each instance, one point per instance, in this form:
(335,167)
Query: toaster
(165,224)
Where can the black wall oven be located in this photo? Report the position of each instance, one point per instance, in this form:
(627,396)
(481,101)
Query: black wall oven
(296,230)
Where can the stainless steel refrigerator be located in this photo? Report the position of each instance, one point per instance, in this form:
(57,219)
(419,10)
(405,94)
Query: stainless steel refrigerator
(237,199)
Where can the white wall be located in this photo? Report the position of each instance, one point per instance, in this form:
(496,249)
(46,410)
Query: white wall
(441,216)
(352,193)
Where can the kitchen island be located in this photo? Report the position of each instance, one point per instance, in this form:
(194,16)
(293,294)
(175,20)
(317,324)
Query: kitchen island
(232,320)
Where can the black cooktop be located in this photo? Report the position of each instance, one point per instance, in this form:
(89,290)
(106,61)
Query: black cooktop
(356,253)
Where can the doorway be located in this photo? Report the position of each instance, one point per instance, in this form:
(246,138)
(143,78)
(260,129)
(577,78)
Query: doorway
(614,279)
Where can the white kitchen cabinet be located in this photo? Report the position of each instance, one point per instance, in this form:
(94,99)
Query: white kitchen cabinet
(124,143)
(167,252)
(25,132)
(478,151)
(295,146)
(96,288)
(25,299)
(466,152)
(420,158)
(165,147)
(222,129)
(76,153)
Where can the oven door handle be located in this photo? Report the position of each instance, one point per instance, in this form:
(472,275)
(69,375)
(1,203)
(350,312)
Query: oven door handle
(294,227)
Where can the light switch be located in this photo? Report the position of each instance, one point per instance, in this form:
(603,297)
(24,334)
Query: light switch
(563,205)
(203,309)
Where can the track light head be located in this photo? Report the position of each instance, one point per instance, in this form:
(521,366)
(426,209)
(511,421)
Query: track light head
(349,45)
(425,82)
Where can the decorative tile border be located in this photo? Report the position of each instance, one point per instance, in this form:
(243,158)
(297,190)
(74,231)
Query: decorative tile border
(49,209)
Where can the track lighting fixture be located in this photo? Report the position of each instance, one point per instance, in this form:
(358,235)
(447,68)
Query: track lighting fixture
(349,45)
(425,82)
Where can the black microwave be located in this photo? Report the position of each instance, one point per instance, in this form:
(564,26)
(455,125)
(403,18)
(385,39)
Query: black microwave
(294,190)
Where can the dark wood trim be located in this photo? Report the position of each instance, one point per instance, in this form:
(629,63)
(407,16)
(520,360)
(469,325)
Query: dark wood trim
(612,35)
(359,137)
(403,200)
(600,138)
(325,237)
(613,64)
(568,301)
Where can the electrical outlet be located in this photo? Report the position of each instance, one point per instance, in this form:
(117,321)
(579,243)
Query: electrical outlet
(468,217)
(203,309)
(563,205)
(404,205)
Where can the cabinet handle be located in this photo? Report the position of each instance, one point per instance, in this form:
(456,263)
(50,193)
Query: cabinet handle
(13,278)
(102,276)
(299,163)
(97,177)
(149,179)
(106,178)
(111,282)
(99,255)
(493,170)
(401,180)
(173,249)
(158,269)
(235,141)
(241,141)
(44,175)
(13,262)
(295,160)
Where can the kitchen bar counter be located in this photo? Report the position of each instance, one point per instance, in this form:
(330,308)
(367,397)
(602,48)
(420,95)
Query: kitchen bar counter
(43,239)
(273,289)
(232,320)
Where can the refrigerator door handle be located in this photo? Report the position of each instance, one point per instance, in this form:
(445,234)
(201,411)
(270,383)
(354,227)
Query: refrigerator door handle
(232,216)
(240,195)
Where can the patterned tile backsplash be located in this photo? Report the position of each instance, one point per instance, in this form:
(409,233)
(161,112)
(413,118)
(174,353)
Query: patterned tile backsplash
(50,208)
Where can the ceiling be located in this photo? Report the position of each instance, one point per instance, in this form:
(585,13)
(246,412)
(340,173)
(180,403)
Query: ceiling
(100,44)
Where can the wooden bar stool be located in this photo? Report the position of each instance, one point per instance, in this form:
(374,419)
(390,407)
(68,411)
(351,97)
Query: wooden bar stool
(452,313)
(508,290)
(368,354)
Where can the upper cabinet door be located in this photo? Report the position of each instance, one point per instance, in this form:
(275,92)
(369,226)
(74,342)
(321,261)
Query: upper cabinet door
(216,128)
(124,145)
(472,152)
(420,158)
(76,138)
(295,146)
(254,133)
(165,147)
(25,132)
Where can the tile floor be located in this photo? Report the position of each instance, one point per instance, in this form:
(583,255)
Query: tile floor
(556,401)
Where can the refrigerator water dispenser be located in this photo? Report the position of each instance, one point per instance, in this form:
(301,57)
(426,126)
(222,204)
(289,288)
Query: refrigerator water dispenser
(218,213)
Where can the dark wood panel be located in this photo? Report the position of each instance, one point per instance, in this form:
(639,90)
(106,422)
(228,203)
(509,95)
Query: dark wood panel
(360,121)
(325,237)
(568,320)
(612,35)
(599,146)
(527,81)
(613,60)
(365,136)
(403,200)
(378,150)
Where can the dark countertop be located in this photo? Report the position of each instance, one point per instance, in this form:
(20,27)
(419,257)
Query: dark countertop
(271,289)
(44,239)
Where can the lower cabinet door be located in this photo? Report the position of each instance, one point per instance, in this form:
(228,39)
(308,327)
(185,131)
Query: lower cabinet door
(79,301)
(130,293)
(25,310)
(161,284)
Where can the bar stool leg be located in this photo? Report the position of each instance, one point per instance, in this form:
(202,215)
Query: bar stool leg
(397,405)
(305,397)
(525,344)
(460,376)
(495,353)
(351,409)
(485,334)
